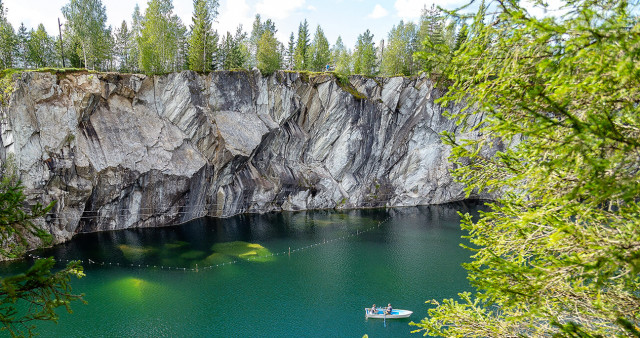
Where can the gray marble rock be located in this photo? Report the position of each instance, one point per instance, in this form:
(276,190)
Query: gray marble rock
(125,150)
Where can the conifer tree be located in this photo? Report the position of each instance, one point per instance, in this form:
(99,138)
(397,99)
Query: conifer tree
(319,50)
(364,56)
(269,58)
(233,50)
(301,55)
(290,52)
(558,253)
(123,47)
(22,38)
(39,48)
(201,42)
(341,57)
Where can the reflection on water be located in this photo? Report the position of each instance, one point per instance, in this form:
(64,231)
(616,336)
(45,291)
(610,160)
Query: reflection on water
(322,291)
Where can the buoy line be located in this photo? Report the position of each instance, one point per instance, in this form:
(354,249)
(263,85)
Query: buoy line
(213,266)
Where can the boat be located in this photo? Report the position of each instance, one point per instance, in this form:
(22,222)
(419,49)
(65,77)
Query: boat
(395,313)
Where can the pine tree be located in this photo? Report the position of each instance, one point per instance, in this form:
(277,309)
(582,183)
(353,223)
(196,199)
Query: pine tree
(22,38)
(35,294)
(258,29)
(269,58)
(233,51)
(123,47)
(301,56)
(341,57)
(398,54)
(365,55)
(201,44)
(39,47)
(558,253)
(319,50)
(290,52)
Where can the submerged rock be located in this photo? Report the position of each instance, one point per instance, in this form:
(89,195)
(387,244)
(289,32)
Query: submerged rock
(126,150)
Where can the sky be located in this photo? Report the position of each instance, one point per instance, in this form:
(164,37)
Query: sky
(345,18)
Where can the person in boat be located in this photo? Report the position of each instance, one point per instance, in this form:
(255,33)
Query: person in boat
(388,309)
(373,309)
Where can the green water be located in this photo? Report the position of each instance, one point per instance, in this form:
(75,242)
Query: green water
(321,290)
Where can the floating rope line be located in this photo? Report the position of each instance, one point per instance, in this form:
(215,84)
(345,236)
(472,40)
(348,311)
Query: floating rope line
(210,267)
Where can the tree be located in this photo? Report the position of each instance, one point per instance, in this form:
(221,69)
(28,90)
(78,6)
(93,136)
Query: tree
(559,253)
(22,38)
(301,55)
(123,47)
(8,41)
(39,47)
(269,59)
(135,39)
(398,55)
(161,37)
(289,54)
(233,51)
(341,58)
(201,43)
(86,24)
(320,54)
(365,55)
(33,295)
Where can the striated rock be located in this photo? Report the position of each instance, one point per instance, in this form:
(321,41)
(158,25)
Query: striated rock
(126,150)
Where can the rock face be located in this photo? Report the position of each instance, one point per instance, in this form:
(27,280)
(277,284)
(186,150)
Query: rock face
(119,151)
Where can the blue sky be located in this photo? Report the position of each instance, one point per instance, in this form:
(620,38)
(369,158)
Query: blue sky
(347,18)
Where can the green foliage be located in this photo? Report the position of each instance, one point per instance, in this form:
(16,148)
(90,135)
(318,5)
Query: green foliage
(86,26)
(37,293)
(341,58)
(202,40)
(364,57)
(39,46)
(302,56)
(123,44)
(269,59)
(161,39)
(345,84)
(8,41)
(398,53)
(233,52)
(320,55)
(559,253)
(289,54)
(258,30)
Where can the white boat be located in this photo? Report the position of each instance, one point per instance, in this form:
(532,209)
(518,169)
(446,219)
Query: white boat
(395,313)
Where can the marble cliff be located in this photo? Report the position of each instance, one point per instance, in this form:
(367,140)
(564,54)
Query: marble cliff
(128,150)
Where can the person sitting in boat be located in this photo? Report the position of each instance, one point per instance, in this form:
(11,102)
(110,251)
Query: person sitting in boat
(388,309)
(373,309)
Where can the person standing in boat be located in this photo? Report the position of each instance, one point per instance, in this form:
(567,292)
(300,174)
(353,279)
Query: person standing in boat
(388,309)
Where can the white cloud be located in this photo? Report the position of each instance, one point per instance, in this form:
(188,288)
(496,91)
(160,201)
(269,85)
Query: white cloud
(378,12)
(410,9)
(278,9)
(311,8)
(233,13)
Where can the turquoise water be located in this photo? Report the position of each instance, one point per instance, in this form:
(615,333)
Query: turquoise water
(348,263)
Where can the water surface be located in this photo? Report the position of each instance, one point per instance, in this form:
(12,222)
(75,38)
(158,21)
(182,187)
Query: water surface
(340,263)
